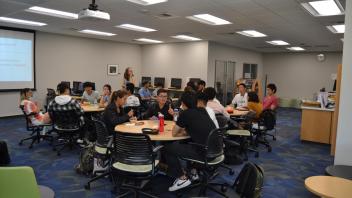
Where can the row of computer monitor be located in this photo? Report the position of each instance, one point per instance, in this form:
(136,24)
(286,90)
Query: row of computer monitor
(77,86)
(175,82)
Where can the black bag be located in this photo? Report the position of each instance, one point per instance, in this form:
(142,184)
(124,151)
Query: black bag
(268,119)
(86,161)
(4,154)
(249,182)
(232,154)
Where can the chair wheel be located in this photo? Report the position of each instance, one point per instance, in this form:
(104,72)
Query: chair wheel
(58,154)
(256,155)
(231,172)
(20,143)
(87,187)
(269,149)
(223,188)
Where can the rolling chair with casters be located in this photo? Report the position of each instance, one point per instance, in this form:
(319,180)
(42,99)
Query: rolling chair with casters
(266,122)
(35,129)
(67,124)
(135,159)
(213,149)
(102,150)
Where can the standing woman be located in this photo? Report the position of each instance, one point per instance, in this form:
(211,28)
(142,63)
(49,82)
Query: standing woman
(105,98)
(128,77)
(270,101)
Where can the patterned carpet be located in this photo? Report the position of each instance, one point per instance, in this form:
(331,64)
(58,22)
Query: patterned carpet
(286,167)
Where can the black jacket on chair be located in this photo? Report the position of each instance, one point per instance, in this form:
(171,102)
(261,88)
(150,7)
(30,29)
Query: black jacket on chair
(112,117)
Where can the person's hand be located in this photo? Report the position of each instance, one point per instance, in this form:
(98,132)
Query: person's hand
(171,111)
(130,113)
(153,118)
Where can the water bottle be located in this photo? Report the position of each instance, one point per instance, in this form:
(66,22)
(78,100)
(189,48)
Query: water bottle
(161,122)
(175,115)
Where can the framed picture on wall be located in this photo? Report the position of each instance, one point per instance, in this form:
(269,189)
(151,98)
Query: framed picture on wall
(113,70)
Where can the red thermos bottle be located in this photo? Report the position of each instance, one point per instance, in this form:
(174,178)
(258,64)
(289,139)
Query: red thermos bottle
(161,122)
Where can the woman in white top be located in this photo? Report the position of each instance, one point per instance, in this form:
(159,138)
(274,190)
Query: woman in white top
(241,99)
(128,77)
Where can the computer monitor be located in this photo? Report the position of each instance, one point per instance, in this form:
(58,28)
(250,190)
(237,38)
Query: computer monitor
(145,78)
(93,85)
(159,81)
(75,85)
(176,82)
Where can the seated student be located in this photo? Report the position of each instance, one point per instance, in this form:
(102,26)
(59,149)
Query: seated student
(201,86)
(213,104)
(202,100)
(254,105)
(114,113)
(240,100)
(155,92)
(196,123)
(38,118)
(192,85)
(144,91)
(161,106)
(270,101)
(89,95)
(132,100)
(104,99)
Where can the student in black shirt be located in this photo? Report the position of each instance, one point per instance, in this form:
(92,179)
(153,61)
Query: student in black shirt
(196,123)
(114,113)
(162,106)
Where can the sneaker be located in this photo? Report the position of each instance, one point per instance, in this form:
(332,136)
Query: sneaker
(179,184)
(79,141)
(194,177)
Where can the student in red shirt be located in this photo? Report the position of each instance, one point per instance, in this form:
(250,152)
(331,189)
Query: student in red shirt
(270,101)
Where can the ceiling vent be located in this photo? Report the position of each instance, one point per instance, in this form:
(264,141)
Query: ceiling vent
(166,15)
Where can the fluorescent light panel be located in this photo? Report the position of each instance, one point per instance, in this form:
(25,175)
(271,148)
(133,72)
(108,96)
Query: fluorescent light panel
(209,19)
(52,12)
(87,31)
(277,42)
(136,28)
(324,8)
(22,22)
(186,37)
(147,2)
(148,40)
(337,28)
(251,33)
(295,48)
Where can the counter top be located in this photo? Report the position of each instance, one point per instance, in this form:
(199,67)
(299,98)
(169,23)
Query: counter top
(316,108)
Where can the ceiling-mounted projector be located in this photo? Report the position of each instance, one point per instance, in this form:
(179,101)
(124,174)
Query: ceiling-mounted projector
(92,13)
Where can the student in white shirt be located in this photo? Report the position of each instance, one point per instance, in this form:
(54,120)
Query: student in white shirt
(132,100)
(202,100)
(241,99)
(90,95)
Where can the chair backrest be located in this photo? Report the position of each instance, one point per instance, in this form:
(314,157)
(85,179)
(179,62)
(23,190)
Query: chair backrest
(102,133)
(65,119)
(29,125)
(18,182)
(215,143)
(133,149)
(222,120)
(268,119)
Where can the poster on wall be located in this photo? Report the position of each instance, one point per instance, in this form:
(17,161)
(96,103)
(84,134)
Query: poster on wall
(113,70)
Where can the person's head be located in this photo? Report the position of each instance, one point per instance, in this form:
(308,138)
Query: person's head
(130,88)
(192,85)
(202,99)
(119,98)
(210,92)
(161,96)
(188,88)
(26,94)
(253,97)
(242,88)
(128,73)
(88,87)
(201,85)
(107,90)
(271,89)
(188,100)
(63,89)
(146,84)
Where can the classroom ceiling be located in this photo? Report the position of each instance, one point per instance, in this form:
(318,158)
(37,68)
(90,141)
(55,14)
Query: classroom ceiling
(279,19)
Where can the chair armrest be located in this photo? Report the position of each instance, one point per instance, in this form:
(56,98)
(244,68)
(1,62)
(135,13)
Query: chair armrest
(156,149)
(231,142)
(111,139)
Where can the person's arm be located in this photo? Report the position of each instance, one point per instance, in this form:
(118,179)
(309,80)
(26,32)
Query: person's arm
(274,104)
(114,118)
(137,102)
(77,107)
(178,131)
(102,102)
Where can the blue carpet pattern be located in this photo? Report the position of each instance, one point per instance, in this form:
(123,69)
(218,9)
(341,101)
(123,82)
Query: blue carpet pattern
(286,167)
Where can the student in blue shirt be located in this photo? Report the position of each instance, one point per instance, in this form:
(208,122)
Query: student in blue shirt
(144,91)
(105,98)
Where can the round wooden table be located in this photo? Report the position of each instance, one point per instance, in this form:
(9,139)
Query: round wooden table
(327,186)
(162,136)
(92,108)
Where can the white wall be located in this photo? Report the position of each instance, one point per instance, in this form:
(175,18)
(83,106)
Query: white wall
(175,60)
(228,53)
(69,58)
(300,75)
(343,150)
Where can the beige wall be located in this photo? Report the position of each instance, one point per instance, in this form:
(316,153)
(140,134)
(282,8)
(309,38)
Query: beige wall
(300,75)
(175,60)
(72,58)
(228,53)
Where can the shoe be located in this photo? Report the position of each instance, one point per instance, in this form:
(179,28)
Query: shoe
(194,177)
(179,184)
(79,141)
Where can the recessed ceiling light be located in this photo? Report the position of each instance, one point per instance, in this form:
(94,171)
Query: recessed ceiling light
(51,12)
(187,38)
(208,19)
(277,42)
(86,31)
(148,40)
(135,28)
(295,48)
(251,33)
(22,22)
(147,2)
(337,28)
(324,7)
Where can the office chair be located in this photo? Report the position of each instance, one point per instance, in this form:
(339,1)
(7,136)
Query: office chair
(266,122)
(213,149)
(67,125)
(35,129)
(134,160)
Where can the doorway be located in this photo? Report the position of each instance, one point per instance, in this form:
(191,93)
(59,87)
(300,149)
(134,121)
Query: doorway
(224,80)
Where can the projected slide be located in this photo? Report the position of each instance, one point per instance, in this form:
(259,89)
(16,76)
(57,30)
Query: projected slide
(16,59)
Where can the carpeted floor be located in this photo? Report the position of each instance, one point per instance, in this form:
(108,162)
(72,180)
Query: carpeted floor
(286,167)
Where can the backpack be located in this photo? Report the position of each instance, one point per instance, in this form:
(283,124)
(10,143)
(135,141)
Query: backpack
(4,154)
(268,119)
(86,161)
(249,182)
